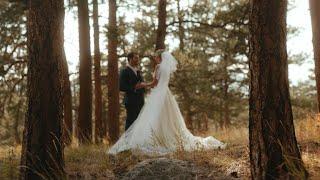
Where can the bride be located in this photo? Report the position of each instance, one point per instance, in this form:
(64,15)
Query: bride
(160,127)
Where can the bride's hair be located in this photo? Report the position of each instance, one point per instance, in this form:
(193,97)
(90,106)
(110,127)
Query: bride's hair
(159,52)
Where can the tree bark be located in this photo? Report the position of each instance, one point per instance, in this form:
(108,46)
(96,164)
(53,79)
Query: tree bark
(67,104)
(99,125)
(17,119)
(181,33)
(199,128)
(16,129)
(42,151)
(206,122)
(274,153)
(85,105)
(221,108)
(189,120)
(113,77)
(75,108)
(187,102)
(105,115)
(315,20)
(19,115)
(161,31)
(226,108)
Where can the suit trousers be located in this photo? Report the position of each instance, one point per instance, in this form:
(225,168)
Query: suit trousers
(132,114)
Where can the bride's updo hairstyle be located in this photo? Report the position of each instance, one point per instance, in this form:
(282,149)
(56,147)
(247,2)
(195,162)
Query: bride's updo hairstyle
(157,57)
(159,52)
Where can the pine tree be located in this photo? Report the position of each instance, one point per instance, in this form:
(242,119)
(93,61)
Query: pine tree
(274,153)
(42,151)
(113,77)
(99,124)
(315,20)
(162,26)
(67,104)
(85,106)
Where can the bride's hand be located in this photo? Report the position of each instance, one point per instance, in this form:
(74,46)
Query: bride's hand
(153,83)
(141,85)
(149,85)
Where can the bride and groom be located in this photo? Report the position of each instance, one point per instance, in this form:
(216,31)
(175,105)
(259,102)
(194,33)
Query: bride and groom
(156,127)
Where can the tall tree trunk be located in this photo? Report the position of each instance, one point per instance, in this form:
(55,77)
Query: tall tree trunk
(99,125)
(315,19)
(104,115)
(85,105)
(226,108)
(2,112)
(75,108)
(67,104)
(206,121)
(199,124)
(161,31)
(113,77)
(187,100)
(16,129)
(180,27)
(189,120)
(274,153)
(42,151)
(19,116)
(221,107)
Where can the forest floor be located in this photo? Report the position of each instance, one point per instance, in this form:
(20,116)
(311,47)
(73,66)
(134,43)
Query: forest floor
(92,162)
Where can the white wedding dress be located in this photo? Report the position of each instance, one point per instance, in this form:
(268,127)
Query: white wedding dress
(160,127)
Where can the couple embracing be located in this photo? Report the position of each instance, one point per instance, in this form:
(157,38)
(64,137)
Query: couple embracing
(157,126)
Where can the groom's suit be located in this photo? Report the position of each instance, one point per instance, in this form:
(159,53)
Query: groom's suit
(133,98)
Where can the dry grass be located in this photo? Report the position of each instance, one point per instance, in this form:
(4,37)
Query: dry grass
(233,159)
(87,161)
(232,135)
(311,158)
(308,135)
(93,162)
(308,129)
(9,162)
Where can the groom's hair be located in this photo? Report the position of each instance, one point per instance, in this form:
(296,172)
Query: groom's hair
(131,55)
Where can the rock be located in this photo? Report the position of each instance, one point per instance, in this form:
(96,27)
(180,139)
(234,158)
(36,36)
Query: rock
(162,168)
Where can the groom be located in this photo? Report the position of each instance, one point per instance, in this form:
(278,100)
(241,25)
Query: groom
(132,83)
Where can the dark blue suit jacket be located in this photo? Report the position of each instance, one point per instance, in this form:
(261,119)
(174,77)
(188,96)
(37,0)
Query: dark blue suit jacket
(128,81)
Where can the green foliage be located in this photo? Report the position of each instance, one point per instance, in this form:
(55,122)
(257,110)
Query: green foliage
(13,58)
(212,76)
